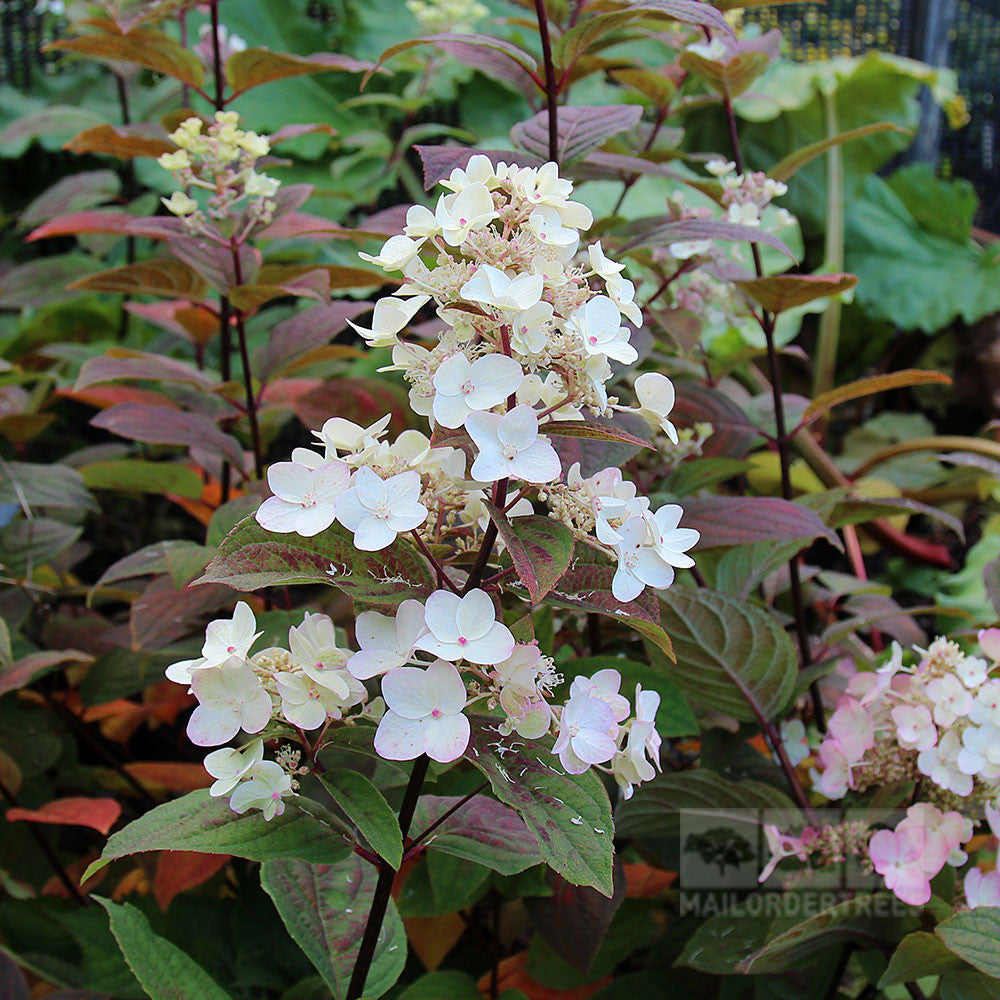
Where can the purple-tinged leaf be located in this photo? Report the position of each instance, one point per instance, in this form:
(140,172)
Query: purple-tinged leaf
(569,815)
(581,130)
(72,194)
(660,231)
(294,131)
(163,425)
(540,547)
(732,656)
(160,276)
(31,485)
(733,434)
(127,142)
(313,327)
(57,120)
(164,614)
(325,908)
(28,668)
(483,831)
(108,221)
(598,442)
(575,919)
(440,161)
(493,63)
(44,281)
(743,62)
(685,11)
(252,67)
(120,363)
(745,520)
(215,264)
(251,558)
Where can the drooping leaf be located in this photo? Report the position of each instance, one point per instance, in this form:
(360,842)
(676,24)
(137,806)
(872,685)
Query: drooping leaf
(127,142)
(733,433)
(178,871)
(779,292)
(569,814)
(325,908)
(107,221)
(870,386)
(18,673)
(137,476)
(540,547)
(483,830)
(744,520)
(975,937)
(580,129)
(162,276)
(919,954)
(165,972)
(662,231)
(72,194)
(789,164)
(27,544)
(48,123)
(98,814)
(685,11)
(732,656)
(164,425)
(251,558)
(960,984)
(254,66)
(196,822)
(32,485)
(143,46)
(120,363)
(367,809)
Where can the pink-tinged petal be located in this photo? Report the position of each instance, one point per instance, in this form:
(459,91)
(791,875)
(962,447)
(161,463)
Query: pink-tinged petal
(369,487)
(989,642)
(489,466)
(447,689)
(312,520)
(883,850)
(210,726)
(450,411)
(592,747)
(372,535)
(289,480)
(440,614)
(257,713)
(446,738)
(911,885)
(399,739)
(538,463)
(475,614)
(409,692)
(482,427)
(350,511)
(492,648)
(595,713)
(518,428)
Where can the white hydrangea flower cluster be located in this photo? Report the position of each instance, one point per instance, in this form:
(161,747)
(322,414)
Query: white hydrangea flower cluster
(527,341)
(222,160)
(937,722)
(435,660)
(745,196)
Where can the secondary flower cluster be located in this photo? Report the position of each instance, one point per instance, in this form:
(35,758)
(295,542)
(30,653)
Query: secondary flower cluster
(935,724)
(221,160)
(435,661)
(525,347)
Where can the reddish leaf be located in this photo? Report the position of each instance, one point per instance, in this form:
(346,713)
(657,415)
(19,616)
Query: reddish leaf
(142,46)
(745,60)
(98,814)
(124,141)
(303,224)
(162,614)
(733,435)
(662,231)
(785,291)
(492,63)
(581,130)
(743,520)
(540,547)
(105,396)
(178,871)
(22,672)
(108,221)
(170,776)
(598,442)
(215,264)
(162,276)
(873,384)
(162,425)
(311,283)
(295,130)
(252,67)
(72,194)
(575,919)
(440,161)
(686,11)
(362,400)
(192,322)
(119,363)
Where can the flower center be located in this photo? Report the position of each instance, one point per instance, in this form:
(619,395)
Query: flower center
(382,510)
(509,451)
(591,340)
(230,649)
(462,641)
(462,222)
(275,796)
(467,387)
(436,713)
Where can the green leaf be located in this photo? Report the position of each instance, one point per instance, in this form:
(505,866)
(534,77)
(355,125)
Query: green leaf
(862,919)
(197,822)
(540,547)
(569,814)
(25,545)
(137,476)
(368,811)
(969,985)
(251,558)
(732,656)
(788,165)
(165,972)
(325,908)
(919,954)
(483,830)
(723,941)
(974,936)
(30,485)
(443,986)
(252,67)
(655,810)
(674,716)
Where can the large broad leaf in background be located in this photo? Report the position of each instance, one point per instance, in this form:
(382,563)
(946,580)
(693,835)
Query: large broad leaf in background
(917,278)
(325,908)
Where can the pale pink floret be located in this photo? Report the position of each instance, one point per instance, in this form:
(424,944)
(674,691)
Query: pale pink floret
(896,857)
(982,888)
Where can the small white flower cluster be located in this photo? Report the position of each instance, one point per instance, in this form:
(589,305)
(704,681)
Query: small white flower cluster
(456,16)
(435,660)
(222,160)
(944,714)
(526,342)
(745,196)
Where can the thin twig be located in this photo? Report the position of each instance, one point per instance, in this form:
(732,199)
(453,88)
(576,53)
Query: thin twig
(551,84)
(416,844)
